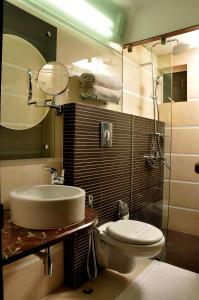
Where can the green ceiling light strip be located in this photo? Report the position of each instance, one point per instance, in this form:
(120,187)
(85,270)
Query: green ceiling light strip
(100,19)
(83,12)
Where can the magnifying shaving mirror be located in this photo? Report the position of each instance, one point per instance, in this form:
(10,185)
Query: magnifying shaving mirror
(53,79)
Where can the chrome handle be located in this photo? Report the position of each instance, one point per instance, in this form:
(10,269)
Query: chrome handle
(51,170)
(107,135)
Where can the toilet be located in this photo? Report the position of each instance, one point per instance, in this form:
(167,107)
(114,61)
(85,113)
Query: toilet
(117,244)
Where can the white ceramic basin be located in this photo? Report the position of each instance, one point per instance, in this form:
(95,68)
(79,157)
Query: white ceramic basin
(47,206)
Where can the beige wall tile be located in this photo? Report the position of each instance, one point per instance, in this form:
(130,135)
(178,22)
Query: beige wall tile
(137,79)
(182,168)
(25,279)
(165,113)
(51,283)
(185,140)
(185,113)
(137,106)
(137,83)
(184,194)
(13,176)
(25,283)
(184,220)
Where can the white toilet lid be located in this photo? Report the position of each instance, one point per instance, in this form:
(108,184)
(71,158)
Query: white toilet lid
(134,232)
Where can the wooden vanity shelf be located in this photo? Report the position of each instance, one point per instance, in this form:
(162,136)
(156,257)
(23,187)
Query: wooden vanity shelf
(18,242)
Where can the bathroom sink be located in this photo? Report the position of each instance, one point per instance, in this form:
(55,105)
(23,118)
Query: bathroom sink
(47,206)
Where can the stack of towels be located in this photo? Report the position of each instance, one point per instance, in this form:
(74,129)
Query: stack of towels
(100,87)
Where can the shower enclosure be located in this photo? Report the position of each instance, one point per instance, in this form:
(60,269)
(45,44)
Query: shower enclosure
(160,84)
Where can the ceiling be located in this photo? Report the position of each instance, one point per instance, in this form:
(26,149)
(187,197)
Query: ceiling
(132,3)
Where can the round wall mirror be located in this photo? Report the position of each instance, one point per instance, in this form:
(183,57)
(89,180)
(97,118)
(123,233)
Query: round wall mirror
(21,62)
(53,78)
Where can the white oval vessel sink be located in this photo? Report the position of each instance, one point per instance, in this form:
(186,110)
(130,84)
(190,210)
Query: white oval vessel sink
(47,206)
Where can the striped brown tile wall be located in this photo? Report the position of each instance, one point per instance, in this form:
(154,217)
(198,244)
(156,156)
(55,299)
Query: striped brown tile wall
(110,174)
(75,261)
(105,173)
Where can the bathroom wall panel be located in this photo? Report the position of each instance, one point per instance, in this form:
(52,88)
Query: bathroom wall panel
(184,194)
(185,140)
(184,220)
(105,173)
(109,174)
(183,167)
(75,262)
(68,144)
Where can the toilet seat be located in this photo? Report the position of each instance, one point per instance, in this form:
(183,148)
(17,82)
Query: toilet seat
(116,250)
(134,232)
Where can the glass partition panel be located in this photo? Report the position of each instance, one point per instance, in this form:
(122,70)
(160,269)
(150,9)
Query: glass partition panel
(143,97)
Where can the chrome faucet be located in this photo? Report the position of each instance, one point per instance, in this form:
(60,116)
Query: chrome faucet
(55,179)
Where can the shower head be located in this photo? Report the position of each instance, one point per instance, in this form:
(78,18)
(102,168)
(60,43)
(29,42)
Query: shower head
(158,79)
(180,48)
(177,49)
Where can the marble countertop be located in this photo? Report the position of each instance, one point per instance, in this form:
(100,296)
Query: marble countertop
(18,242)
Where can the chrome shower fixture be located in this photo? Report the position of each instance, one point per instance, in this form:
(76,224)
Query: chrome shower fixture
(156,154)
(180,48)
(158,79)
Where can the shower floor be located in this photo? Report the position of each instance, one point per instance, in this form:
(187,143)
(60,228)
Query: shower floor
(182,250)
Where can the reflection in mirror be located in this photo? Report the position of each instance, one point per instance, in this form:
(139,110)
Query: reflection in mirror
(53,78)
(21,62)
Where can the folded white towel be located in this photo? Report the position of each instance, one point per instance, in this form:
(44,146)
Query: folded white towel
(101,80)
(87,91)
(100,93)
(107,95)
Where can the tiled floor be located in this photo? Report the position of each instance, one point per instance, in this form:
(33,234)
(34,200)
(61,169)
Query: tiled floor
(158,281)
(183,250)
(108,285)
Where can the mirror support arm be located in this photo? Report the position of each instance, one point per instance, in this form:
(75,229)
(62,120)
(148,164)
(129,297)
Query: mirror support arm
(29,86)
(58,107)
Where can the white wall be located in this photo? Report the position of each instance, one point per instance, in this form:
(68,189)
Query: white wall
(161,17)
